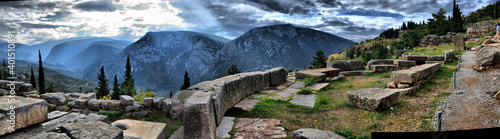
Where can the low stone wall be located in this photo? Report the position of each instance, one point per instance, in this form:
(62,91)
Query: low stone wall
(480,28)
(385,65)
(208,101)
(319,75)
(413,76)
(434,40)
(421,59)
(21,88)
(346,65)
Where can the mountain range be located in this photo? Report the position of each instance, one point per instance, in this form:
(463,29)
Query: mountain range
(159,59)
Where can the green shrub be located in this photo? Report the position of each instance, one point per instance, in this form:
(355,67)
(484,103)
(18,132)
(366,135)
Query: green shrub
(305,90)
(493,33)
(309,81)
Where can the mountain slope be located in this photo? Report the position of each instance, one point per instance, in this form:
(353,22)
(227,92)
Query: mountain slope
(159,59)
(91,56)
(62,52)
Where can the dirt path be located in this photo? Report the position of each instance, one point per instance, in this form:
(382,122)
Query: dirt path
(474,108)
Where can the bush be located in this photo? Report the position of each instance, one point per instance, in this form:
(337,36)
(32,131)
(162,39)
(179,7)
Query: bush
(305,91)
(309,81)
(108,97)
(140,97)
(336,57)
(493,33)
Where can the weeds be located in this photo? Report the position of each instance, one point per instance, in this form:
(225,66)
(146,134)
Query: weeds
(309,81)
(305,91)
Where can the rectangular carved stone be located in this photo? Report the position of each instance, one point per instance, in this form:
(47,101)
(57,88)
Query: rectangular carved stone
(383,68)
(459,42)
(277,76)
(199,118)
(404,63)
(414,74)
(373,98)
(24,111)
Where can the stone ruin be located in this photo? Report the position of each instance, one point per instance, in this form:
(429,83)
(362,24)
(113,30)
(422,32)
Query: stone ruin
(480,28)
(434,40)
(207,102)
(386,65)
(319,75)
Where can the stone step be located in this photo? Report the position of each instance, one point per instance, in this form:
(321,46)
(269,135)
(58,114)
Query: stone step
(304,100)
(318,86)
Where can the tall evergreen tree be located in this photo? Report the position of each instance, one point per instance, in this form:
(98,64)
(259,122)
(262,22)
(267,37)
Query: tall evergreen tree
(233,70)
(319,60)
(32,79)
(456,20)
(404,26)
(116,89)
(102,86)
(186,83)
(128,87)
(41,75)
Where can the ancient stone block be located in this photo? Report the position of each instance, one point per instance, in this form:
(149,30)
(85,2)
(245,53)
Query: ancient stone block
(329,72)
(258,128)
(199,118)
(309,133)
(142,129)
(459,42)
(176,110)
(404,63)
(339,64)
(26,87)
(277,76)
(57,100)
(449,55)
(126,100)
(318,76)
(20,113)
(246,104)
(166,105)
(488,56)
(383,68)
(157,103)
(379,62)
(96,129)
(355,65)
(414,74)
(435,58)
(88,96)
(148,102)
(373,98)
(304,100)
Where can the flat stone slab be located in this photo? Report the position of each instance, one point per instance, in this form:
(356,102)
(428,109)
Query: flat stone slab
(258,128)
(269,91)
(318,86)
(373,98)
(246,104)
(143,129)
(304,100)
(27,111)
(92,130)
(178,134)
(285,94)
(404,63)
(330,72)
(73,117)
(297,85)
(310,133)
(225,127)
(318,76)
(56,114)
(283,85)
(415,74)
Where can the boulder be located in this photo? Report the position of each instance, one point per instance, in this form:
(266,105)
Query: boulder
(18,86)
(107,105)
(93,130)
(138,106)
(449,55)
(199,118)
(404,63)
(373,99)
(35,109)
(3,84)
(141,129)
(94,104)
(88,96)
(148,102)
(129,108)
(166,105)
(318,76)
(383,68)
(459,42)
(488,56)
(257,128)
(57,100)
(126,100)
(80,103)
(310,133)
(26,87)
(157,103)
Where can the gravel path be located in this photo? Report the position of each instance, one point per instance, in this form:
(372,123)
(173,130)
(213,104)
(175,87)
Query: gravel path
(474,108)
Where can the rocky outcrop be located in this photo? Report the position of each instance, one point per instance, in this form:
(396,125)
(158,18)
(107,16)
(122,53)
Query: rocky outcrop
(346,65)
(258,128)
(373,99)
(488,56)
(310,133)
(26,112)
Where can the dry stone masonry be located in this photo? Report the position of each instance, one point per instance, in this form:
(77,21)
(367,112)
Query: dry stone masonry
(208,101)
(480,28)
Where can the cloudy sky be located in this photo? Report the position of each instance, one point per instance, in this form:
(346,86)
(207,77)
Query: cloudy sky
(42,20)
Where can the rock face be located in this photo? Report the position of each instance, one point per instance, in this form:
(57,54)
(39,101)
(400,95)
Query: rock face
(142,129)
(258,128)
(449,55)
(415,74)
(27,111)
(346,65)
(459,42)
(309,133)
(373,99)
(92,130)
(199,118)
(488,56)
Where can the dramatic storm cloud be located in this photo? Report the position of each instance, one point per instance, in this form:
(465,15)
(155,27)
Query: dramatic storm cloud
(42,20)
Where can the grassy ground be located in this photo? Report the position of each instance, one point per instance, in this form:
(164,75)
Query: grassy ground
(432,50)
(332,111)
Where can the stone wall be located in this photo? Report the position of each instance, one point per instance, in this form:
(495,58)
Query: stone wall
(385,65)
(480,28)
(206,102)
(346,65)
(434,40)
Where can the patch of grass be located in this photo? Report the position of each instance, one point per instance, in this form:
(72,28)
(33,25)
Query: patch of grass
(425,125)
(113,115)
(340,103)
(372,126)
(347,133)
(322,103)
(305,91)
(309,81)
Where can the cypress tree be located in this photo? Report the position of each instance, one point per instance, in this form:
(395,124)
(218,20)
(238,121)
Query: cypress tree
(319,60)
(102,86)
(186,83)
(116,89)
(457,22)
(128,87)
(41,76)
(32,79)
